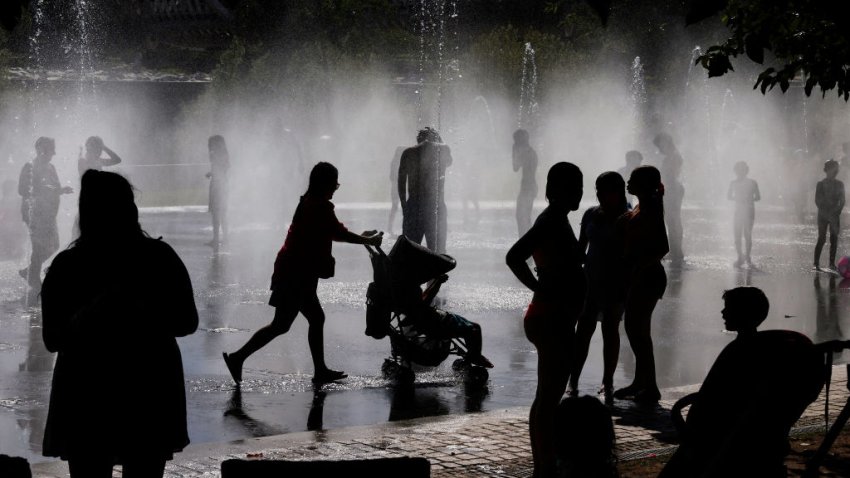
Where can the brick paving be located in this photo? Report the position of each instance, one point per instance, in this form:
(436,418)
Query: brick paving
(489,444)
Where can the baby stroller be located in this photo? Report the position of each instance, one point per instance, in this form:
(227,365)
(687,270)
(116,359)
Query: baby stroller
(397,277)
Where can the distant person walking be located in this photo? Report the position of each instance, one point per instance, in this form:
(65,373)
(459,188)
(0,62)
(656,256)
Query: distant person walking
(745,192)
(92,159)
(41,190)
(605,291)
(830,199)
(525,159)
(421,190)
(112,305)
(559,294)
(644,240)
(219,179)
(394,200)
(304,259)
(671,170)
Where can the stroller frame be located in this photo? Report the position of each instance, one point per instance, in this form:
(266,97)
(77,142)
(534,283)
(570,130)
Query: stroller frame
(407,349)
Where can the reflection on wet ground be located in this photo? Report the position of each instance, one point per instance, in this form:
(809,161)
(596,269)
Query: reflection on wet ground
(277,395)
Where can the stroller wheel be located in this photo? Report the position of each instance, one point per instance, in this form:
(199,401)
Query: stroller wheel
(460,365)
(390,368)
(477,375)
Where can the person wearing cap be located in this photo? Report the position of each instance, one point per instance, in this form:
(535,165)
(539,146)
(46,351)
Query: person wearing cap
(829,199)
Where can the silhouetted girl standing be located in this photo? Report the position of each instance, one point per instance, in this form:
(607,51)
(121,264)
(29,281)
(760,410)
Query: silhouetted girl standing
(559,293)
(218,175)
(644,239)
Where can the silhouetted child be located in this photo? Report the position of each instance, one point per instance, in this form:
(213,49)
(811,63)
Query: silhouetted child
(92,158)
(671,170)
(304,259)
(585,439)
(605,289)
(745,192)
(13,234)
(218,176)
(525,159)
(758,387)
(41,190)
(829,198)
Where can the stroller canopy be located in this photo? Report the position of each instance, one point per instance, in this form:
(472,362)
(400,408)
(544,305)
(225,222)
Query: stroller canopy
(415,263)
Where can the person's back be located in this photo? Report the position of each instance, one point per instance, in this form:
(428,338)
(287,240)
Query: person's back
(743,191)
(829,197)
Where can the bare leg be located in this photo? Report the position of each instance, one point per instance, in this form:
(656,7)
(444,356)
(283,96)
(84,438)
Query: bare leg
(822,225)
(610,347)
(283,318)
(312,310)
(584,332)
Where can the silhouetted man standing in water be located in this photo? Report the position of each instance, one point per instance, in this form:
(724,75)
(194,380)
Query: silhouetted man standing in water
(421,190)
(674,193)
(40,189)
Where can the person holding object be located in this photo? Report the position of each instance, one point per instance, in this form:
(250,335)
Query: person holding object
(304,259)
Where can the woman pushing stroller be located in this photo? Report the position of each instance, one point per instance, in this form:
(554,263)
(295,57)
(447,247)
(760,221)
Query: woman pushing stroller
(304,259)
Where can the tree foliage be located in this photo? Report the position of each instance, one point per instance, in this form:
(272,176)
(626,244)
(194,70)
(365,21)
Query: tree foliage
(795,39)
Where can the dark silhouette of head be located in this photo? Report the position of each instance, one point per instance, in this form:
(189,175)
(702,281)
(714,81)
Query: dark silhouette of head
(645,183)
(217,145)
(585,438)
(324,179)
(428,134)
(611,192)
(633,159)
(94,146)
(564,185)
(741,169)
(108,212)
(45,147)
(745,308)
(521,137)
(664,143)
(830,167)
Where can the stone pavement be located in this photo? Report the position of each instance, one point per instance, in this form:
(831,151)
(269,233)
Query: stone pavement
(476,445)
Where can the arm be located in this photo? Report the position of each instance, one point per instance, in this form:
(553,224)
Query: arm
(519,253)
(447,155)
(179,299)
(433,288)
(369,238)
(756,193)
(841,198)
(112,158)
(56,314)
(402,179)
(517,160)
(819,199)
(24,181)
(730,195)
(582,234)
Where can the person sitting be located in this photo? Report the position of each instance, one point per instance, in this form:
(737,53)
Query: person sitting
(422,317)
(756,390)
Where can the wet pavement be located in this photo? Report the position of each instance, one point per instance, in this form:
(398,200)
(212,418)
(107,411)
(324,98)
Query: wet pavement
(277,397)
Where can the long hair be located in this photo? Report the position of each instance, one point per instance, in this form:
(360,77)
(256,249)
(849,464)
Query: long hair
(108,211)
(323,179)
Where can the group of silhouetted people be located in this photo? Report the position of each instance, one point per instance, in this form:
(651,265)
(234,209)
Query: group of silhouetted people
(115,300)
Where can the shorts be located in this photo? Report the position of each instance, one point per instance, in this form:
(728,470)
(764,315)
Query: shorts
(294,291)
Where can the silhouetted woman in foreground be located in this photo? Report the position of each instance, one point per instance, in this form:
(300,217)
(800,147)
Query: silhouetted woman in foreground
(112,305)
(559,292)
(644,239)
(304,259)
